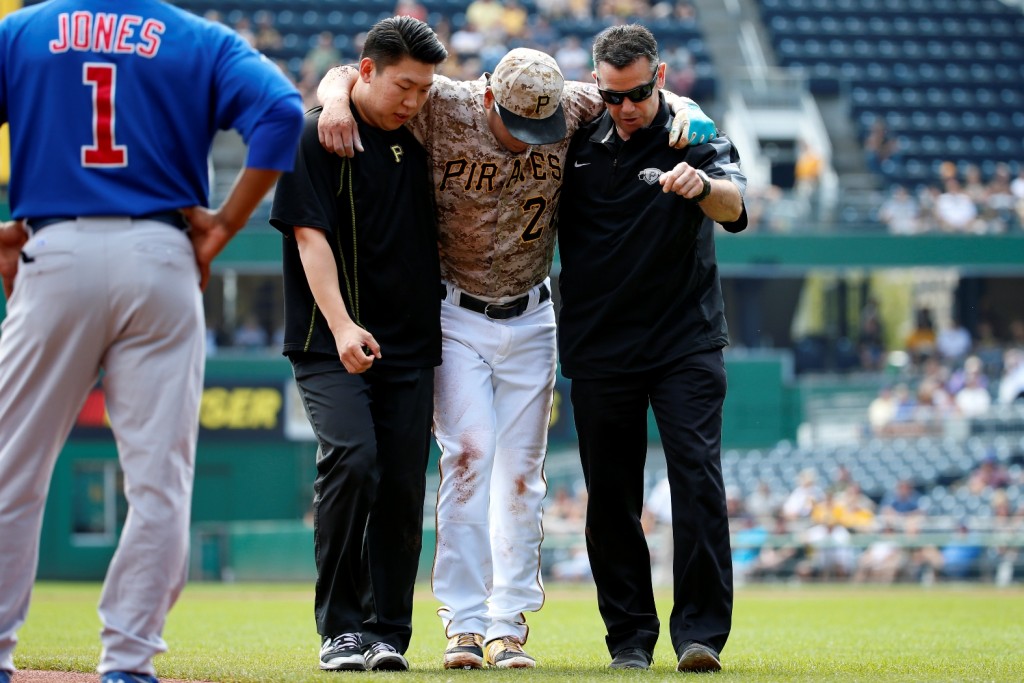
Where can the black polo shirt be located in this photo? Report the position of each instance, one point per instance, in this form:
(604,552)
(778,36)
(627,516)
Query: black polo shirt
(384,198)
(639,283)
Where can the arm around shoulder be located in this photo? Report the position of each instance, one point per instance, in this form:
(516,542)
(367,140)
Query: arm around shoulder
(337,127)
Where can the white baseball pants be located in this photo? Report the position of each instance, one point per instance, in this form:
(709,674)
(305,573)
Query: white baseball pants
(121,296)
(492,404)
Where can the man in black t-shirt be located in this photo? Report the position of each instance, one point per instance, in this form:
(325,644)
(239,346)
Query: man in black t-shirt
(642,324)
(363,334)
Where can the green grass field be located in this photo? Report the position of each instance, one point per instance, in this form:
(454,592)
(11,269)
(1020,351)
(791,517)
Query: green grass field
(249,633)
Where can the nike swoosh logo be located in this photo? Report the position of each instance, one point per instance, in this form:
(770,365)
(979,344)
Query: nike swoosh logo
(577,164)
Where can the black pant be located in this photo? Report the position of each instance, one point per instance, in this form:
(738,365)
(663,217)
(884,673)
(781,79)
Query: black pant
(373,431)
(611,420)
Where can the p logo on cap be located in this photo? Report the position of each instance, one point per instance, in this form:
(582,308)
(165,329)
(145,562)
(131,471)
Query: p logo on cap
(527,87)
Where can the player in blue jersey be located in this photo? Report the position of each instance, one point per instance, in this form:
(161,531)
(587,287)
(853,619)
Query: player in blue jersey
(112,108)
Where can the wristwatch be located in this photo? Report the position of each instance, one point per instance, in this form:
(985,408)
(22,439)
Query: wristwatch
(707,187)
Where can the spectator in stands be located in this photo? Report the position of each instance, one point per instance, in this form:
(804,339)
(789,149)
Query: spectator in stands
(962,556)
(998,205)
(485,15)
(802,499)
(1011,384)
(566,512)
(972,366)
(411,8)
(1017,189)
(973,398)
(934,404)
(684,12)
(1004,518)
(870,344)
(990,474)
(829,551)
(573,59)
(920,343)
(842,480)
(763,502)
(575,567)
(955,211)
(901,502)
(854,510)
(492,51)
(989,349)
(778,555)
(320,58)
(556,9)
(974,186)
(882,410)
(905,414)
(619,11)
(807,177)
(954,342)
(735,506)
(268,38)
(850,511)
(514,20)
(1017,184)
(747,542)
(1005,521)
(901,213)
(541,36)
(880,146)
(927,198)
(1017,333)
(243,27)
(682,72)
(250,335)
(468,41)
(882,560)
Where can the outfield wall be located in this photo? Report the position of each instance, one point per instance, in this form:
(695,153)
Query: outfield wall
(255,464)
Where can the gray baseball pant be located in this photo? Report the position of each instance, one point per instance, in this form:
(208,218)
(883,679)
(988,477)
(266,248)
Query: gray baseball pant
(121,296)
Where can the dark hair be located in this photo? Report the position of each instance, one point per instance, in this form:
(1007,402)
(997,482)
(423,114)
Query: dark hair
(620,46)
(391,40)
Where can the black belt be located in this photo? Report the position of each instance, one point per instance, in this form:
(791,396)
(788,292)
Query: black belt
(172,218)
(509,309)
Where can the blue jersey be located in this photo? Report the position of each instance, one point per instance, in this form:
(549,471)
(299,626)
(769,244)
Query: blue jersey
(113,106)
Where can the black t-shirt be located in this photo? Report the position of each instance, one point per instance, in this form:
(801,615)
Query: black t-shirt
(639,283)
(393,274)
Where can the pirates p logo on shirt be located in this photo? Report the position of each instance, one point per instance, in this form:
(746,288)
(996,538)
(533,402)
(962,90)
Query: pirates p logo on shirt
(397,151)
(650,175)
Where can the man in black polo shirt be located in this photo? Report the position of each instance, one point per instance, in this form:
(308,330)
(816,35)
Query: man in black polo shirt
(363,333)
(642,323)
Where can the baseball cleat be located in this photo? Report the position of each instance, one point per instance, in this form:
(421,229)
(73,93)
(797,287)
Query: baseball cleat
(698,658)
(5,676)
(465,651)
(126,677)
(342,653)
(507,653)
(383,657)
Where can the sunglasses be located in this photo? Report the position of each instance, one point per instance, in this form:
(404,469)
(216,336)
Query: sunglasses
(637,94)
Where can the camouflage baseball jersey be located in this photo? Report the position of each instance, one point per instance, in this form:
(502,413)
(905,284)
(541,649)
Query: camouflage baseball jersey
(495,207)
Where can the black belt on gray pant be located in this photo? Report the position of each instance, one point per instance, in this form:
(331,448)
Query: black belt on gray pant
(509,309)
(172,218)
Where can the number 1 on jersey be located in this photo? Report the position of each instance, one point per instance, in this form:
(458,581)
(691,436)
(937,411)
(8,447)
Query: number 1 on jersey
(104,152)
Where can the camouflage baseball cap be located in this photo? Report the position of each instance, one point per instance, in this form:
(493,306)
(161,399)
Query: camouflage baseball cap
(527,87)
